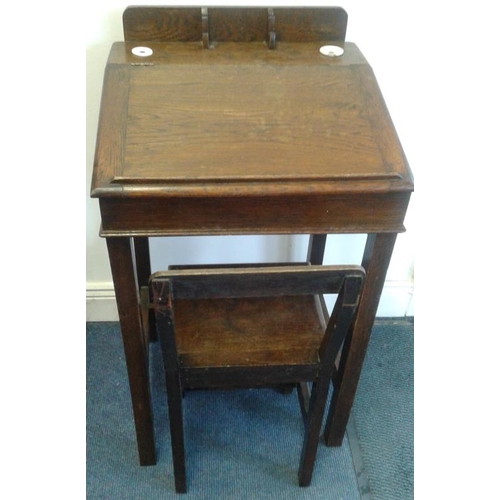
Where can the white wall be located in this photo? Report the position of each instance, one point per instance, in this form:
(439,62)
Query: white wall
(384,32)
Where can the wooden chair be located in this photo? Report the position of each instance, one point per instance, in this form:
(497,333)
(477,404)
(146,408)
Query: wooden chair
(259,326)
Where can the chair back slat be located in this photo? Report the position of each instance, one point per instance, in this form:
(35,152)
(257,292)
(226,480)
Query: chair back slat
(256,282)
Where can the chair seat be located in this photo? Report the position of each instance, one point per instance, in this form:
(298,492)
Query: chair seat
(216,335)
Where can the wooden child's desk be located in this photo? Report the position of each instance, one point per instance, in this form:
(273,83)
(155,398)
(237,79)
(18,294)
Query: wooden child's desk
(243,132)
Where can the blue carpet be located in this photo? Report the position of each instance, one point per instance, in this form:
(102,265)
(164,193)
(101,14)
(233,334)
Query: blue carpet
(383,411)
(244,444)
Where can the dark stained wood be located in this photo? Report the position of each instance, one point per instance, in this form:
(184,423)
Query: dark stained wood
(142,260)
(162,294)
(121,260)
(160,24)
(211,320)
(315,255)
(233,24)
(236,266)
(254,214)
(238,24)
(304,399)
(146,313)
(316,249)
(143,271)
(246,377)
(320,130)
(260,115)
(336,331)
(161,162)
(246,341)
(263,281)
(376,261)
(276,328)
(239,139)
(111,133)
(308,24)
(174,397)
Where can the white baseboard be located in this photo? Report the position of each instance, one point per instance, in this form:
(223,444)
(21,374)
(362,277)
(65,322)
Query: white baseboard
(101,302)
(396,301)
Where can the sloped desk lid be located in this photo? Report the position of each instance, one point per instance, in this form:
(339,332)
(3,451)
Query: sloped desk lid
(239,117)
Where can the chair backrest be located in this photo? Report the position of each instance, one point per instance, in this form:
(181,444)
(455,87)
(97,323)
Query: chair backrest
(234,24)
(260,281)
(268,281)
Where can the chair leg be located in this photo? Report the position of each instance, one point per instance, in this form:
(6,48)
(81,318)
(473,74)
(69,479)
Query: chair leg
(317,405)
(162,300)
(174,396)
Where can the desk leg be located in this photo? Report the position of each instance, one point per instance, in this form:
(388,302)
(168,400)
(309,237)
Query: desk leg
(376,258)
(143,267)
(122,268)
(143,262)
(316,251)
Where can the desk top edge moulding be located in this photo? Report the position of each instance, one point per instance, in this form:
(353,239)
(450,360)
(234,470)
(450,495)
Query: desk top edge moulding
(237,118)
